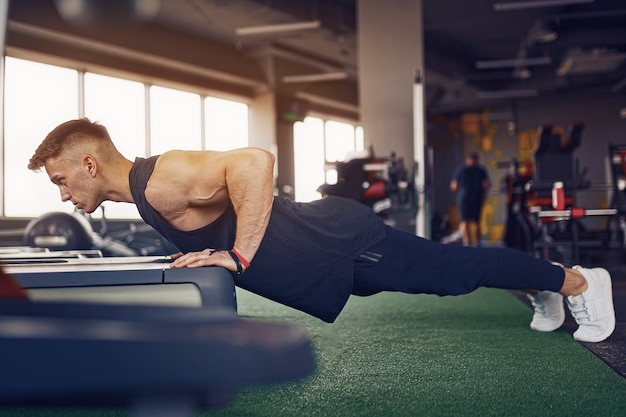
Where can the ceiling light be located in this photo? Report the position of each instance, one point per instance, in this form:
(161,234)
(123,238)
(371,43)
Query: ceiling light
(278,28)
(328,76)
(517,62)
(519,5)
(595,61)
(542,32)
(90,11)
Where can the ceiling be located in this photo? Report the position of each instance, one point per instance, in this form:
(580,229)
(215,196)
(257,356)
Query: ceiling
(476,51)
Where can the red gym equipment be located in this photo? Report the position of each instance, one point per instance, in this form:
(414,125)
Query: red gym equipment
(544,217)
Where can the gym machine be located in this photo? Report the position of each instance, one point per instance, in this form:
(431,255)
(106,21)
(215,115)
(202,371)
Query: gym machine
(544,217)
(384,184)
(60,231)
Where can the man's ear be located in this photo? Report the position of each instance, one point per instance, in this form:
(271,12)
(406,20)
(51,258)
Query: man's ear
(90,164)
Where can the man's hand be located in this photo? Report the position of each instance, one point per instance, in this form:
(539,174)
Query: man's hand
(205,258)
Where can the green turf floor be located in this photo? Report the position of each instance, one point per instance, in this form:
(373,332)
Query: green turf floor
(401,355)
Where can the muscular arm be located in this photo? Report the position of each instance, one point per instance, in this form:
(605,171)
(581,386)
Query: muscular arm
(249,179)
(206,181)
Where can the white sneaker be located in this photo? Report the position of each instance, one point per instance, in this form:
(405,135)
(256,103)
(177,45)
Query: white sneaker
(593,309)
(549,312)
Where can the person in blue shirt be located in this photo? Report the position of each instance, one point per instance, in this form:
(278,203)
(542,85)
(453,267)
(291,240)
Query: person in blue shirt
(471,183)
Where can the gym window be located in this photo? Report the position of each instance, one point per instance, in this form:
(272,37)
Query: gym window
(317,144)
(142,120)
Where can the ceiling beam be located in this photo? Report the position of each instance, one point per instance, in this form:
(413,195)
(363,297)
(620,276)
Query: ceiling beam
(523,5)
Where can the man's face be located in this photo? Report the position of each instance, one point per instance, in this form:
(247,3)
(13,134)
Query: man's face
(76,181)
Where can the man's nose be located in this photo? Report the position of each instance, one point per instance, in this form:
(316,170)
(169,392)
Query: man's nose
(65,196)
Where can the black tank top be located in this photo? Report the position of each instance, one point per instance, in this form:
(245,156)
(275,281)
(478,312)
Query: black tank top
(305,259)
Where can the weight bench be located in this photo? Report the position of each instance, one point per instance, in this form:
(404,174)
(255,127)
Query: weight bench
(138,279)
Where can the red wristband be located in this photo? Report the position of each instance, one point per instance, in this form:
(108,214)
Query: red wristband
(241,258)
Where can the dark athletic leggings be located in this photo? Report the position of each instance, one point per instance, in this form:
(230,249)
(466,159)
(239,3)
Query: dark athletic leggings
(407,263)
